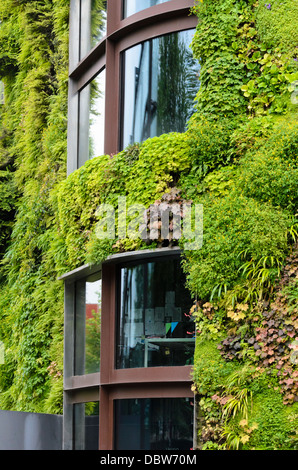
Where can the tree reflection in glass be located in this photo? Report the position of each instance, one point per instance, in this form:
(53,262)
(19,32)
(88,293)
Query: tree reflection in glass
(93,24)
(161,80)
(92,119)
(87,326)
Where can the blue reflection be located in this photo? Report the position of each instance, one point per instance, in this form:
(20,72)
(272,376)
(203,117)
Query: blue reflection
(134,6)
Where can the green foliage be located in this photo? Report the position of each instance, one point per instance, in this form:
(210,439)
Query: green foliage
(33,144)
(222,73)
(278,25)
(277,425)
(271,173)
(233,224)
(160,163)
(210,142)
(10,39)
(238,158)
(243,69)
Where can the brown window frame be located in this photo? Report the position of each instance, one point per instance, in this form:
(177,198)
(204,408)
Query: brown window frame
(110,383)
(150,382)
(165,18)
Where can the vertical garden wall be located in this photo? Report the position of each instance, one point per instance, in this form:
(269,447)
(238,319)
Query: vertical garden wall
(238,158)
(34,69)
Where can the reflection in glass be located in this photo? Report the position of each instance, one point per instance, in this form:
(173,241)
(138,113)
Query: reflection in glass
(87,325)
(86,426)
(154,327)
(1,92)
(161,80)
(93,24)
(134,6)
(154,424)
(92,119)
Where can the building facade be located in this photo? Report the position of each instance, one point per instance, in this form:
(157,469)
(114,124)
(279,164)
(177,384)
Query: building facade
(129,341)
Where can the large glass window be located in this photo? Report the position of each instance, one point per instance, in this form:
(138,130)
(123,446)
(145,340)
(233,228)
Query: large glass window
(86,426)
(154,424)
(92,119)
(154,328)
(134,6)
(160,82)
(87,326)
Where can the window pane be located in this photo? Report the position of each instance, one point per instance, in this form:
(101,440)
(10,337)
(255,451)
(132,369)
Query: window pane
(92,119)
(161,80)
(154,424)
(86,426)
(1,92)
(154,328)
(93,24)
(87,326)
(133,6)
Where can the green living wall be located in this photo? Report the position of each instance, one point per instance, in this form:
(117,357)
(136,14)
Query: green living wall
(238,158)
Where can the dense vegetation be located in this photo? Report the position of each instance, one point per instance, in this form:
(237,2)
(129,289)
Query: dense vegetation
(238,158)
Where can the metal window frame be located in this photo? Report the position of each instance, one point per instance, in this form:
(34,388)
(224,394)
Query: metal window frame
(111,384)
(172,16)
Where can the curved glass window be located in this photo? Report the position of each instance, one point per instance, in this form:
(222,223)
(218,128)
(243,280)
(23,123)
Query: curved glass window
(134,6)
(160,82)
(92,119)
(154,328)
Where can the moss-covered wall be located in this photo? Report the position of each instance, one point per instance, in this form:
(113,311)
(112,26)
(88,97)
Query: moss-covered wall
(34,69)
(238,158)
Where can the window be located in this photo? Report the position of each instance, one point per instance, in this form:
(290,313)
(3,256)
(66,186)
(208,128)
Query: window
(1,92)
(134,6)
(87,325)
(128,342)
(93,24)
(160,84)
(154,424)
(154,328)
(92,119)
(86,426)
(128,315)
(130,77)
